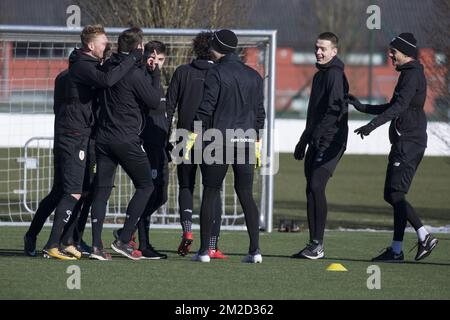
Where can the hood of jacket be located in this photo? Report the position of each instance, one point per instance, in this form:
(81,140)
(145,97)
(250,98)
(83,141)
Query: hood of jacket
(202,64)
(334,63)
(78,55)
(415,64)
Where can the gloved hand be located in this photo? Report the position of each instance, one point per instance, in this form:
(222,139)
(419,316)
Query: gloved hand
(137,54)
(365,130)
(189,144)
(351,99)
(258,153)
(300,150)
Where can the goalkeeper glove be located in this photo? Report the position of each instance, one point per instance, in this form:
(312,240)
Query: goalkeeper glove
(258,153)
(189,144)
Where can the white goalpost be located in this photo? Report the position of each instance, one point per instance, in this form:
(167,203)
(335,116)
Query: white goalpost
(30,59)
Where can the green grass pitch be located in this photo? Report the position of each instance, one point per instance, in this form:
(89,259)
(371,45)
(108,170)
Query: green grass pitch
(355,196)
(278,277)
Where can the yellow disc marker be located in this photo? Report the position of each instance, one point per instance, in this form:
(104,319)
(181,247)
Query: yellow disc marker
(336,267)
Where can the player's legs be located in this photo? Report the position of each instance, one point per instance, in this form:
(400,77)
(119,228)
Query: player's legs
(319,167)
(213,176)
(73,160)
(404,160)
(186,174)
(160,178)
(106,170)
(243,184)
(134,161)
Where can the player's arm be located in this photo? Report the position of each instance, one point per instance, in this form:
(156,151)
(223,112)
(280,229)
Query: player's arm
(260,112)
(145,90)
(172,98)
(406,90)
(89,74)
(367,108)
(59,93)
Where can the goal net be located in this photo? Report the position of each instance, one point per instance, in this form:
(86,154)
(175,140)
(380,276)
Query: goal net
(30,59)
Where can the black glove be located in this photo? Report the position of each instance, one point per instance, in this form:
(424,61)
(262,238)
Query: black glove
(136,54)
(365,130)
(300,149)
(351,99)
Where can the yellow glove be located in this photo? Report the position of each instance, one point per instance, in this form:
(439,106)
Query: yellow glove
(189,144)
(258,153)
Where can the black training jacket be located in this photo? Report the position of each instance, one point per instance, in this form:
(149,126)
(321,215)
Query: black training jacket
(156,126)
(123,107)
(327,117)
(75,114)
(405,110)
(233,97)
(186,92)
(59,94)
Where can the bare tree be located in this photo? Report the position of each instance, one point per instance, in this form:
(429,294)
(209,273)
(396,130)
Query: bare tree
(198,14)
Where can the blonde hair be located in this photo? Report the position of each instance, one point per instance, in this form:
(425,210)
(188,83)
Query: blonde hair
(90,32)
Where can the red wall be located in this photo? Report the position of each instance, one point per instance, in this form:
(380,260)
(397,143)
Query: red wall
(290,78)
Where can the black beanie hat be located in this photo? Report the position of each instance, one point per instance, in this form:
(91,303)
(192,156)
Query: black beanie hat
(405,43)
(224,41)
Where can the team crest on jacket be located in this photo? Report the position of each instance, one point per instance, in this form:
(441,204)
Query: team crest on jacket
(154,173)
(81,155)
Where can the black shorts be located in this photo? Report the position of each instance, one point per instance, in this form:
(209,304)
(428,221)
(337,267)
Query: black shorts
(159,163)
(130,155)
(328,160)
(70,153)
(404,158)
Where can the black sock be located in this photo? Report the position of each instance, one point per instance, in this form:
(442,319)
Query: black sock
(44,210)
(310,212)
(82,220)
(216,224)
(69,228)
(251,217)
(186,203)
(98,213)
(209,199)
(62,215)
(412,216)
(396,200)
(135,210)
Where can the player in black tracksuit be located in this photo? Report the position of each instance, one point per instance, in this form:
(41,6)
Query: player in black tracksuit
(326,137)
(49,203)
(408,136)
(233,99)
(122,114)
(155,138)
(73,128)
(185,95)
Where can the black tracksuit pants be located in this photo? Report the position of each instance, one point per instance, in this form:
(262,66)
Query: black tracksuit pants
(133,159)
